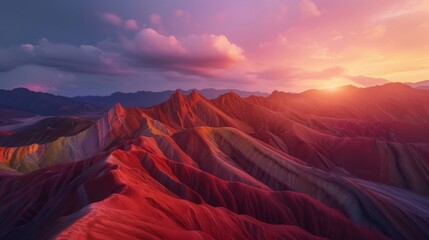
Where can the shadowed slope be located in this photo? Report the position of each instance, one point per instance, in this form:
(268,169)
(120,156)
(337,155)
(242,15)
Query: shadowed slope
(282,172)
(116,126)
(377,151)
(34,205)
(230,168)
(44,131)
(153,206)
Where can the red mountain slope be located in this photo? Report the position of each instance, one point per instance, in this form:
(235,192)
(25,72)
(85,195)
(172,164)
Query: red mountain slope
(232,168)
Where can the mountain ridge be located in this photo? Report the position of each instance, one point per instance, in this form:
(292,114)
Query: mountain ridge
(26,102)
(260,167)
(149,98)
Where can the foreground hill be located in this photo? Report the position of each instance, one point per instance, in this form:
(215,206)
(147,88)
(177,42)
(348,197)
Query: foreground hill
(349,164)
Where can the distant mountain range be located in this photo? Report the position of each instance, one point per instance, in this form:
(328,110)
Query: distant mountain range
(420,85)
(25,102)
(21,102)
(147,99)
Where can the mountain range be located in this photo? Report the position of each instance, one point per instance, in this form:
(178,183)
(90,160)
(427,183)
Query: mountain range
(348,163)
(420,85)
(17,101)
(148,99)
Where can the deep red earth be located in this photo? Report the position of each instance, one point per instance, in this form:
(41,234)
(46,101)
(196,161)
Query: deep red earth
(346,164)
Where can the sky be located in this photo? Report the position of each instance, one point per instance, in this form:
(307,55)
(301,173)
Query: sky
(97,47)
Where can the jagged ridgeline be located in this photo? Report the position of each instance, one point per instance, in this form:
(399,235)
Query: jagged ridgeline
(349,164)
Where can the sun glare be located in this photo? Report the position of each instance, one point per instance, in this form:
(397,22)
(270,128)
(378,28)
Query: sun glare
(332,89)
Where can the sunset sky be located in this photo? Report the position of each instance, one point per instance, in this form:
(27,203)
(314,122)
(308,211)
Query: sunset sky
(98,47)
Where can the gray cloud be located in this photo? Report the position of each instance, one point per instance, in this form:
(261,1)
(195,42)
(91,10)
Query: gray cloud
(83,59)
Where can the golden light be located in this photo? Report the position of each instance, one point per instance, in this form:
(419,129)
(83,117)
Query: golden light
(332,89)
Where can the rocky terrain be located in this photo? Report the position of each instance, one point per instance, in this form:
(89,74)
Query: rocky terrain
(350,163)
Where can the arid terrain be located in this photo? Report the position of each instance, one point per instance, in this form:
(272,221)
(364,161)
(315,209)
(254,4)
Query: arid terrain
(345,163)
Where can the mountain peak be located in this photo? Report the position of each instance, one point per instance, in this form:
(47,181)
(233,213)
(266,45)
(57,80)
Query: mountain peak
(277,93)
(195,96)
(177,96)
(230,95)
(21,89)
(397,85)
(117,110)
(228,98)
(118,106)
(194,93)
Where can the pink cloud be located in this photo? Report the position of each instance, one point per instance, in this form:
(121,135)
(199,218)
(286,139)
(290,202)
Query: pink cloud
(377,31)
(155,19)
(368,81)
(220,16)
(213,47)
(282,12)
(309,9)
(194,54)
(131,24)
(38,87)
(179,12)
(182,20)
(150,42)
(112,19)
